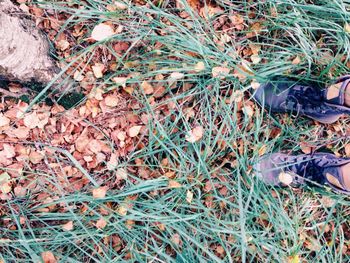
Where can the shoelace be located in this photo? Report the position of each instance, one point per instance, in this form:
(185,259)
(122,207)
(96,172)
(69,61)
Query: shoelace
(304,99)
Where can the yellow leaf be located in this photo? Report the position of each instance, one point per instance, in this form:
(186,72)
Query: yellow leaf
(293,259)
(122,210)
(101,32)
(200,66)
(347,28)
(99,192)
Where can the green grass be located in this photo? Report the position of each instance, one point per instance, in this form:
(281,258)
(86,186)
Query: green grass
(230,207)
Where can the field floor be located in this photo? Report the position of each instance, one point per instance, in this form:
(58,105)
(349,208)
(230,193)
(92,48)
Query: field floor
(155,162)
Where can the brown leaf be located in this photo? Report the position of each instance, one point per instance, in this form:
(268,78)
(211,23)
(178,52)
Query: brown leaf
(296,60)
(111,100)
(97,69)
(147,88)
(48,257)
(174,184)
(220,72)
(35,157)
(195,134)
(4,121)
(134,131)
(9,151)
(99,192)
(31,120)
(121,81)
(101,223)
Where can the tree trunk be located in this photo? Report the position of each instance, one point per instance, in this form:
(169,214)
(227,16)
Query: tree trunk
(24,50)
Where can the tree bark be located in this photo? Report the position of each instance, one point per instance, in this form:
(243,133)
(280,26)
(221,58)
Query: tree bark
(24,50)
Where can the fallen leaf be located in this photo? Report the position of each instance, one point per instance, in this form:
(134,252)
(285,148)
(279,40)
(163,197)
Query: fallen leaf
(21,132)
(296,60)
(20,191)
(262,150)
(31,120)
(102,31)
(134,131)
(68,226)
(97,69)
(113,162)
(255,59)
(174,184)
(248,111)
(63,45)
(347,28)
(35,157)
(195,134)
(121,81)
(99,192)
(122,174)
(78,76)
(81,143)
(176,75)
(254,84)
(4,121)
(294,259)
(5,187)
(101,223)
(285,178)
(220,72)
(48,257)
(189,196)
(111,100)
(176,239)
(9,150)
(120,5)
(200,66)
(147,88)
(122,210)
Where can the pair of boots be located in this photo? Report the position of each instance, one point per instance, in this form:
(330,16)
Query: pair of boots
(324,105)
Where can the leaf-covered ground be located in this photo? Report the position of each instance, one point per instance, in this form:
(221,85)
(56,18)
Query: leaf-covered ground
(154,163)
